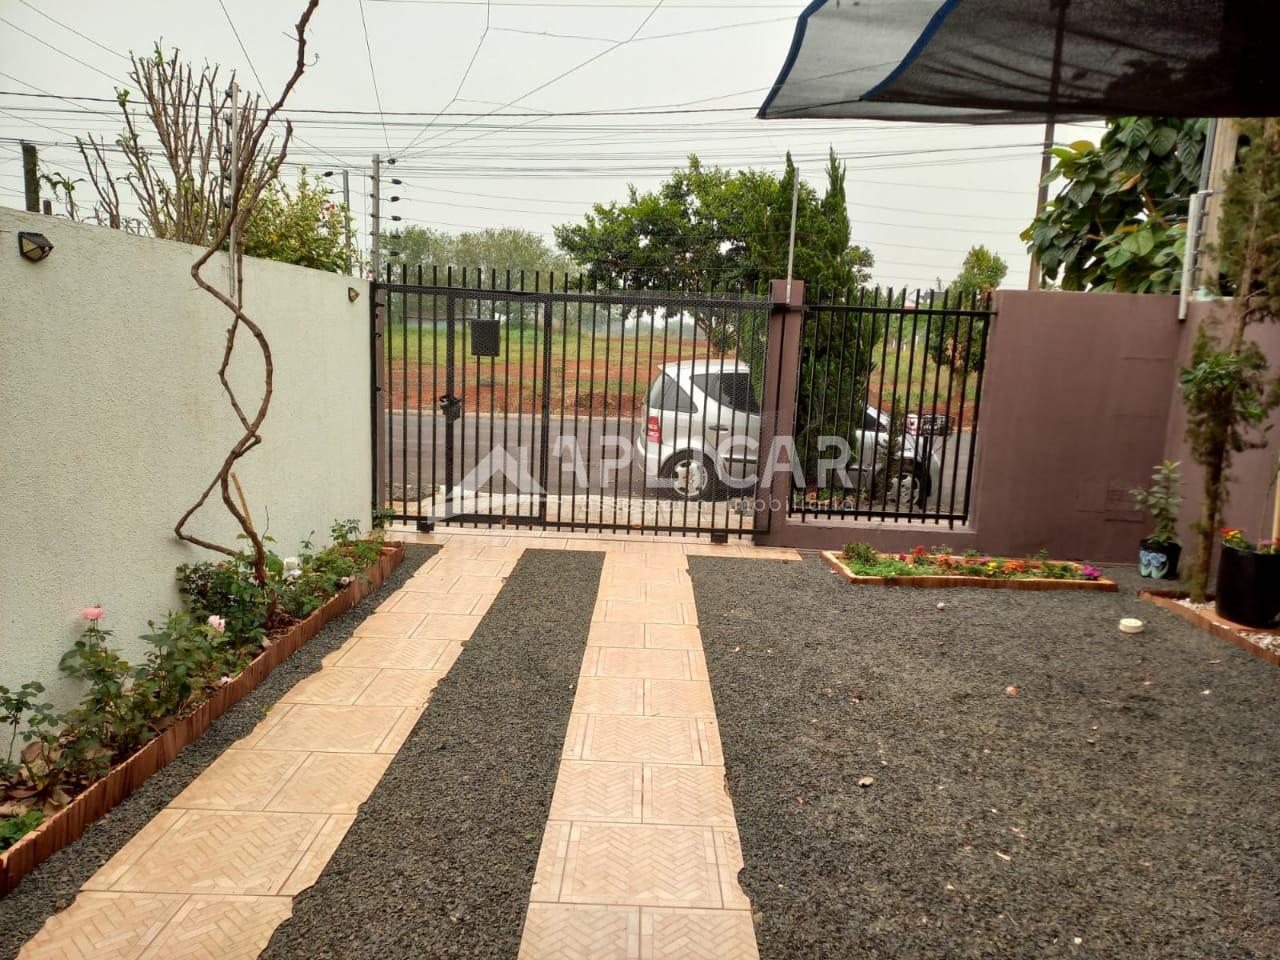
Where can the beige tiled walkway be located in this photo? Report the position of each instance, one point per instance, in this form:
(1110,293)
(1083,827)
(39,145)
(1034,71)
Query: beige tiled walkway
(641,850)
(640,857)
(213,874)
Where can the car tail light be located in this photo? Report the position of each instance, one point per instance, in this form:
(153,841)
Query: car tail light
(653,432)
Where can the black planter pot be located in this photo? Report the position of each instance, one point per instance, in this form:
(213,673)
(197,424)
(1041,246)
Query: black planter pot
(1159,561)
(1249,587)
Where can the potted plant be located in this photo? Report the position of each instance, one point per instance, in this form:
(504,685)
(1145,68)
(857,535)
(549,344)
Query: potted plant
(1248,580)
(1158,552)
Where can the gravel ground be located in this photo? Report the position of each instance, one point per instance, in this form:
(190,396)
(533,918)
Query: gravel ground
(1121,805)
(57,880)
(440,859)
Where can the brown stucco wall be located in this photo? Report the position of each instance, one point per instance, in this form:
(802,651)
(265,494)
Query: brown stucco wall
(1080,402)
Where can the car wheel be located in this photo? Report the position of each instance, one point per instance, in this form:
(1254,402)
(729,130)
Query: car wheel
(690,476)
(900,486)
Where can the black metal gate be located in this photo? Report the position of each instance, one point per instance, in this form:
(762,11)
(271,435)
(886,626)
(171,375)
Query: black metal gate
(516,400)
(887,401)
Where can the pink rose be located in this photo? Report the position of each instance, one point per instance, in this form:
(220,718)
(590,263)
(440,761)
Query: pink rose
(219,624)
(93,613)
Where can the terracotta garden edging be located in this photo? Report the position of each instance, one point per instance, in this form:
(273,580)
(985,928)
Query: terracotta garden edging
(1219,627)
(67,825)
(1101,585)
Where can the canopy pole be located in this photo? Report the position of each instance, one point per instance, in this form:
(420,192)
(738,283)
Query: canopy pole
(791,243)
(1055,78)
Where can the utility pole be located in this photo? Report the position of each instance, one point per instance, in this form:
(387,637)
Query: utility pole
(234,237)
(346,203)
(375,255)
(31,176)
(1042,197)
(791,242)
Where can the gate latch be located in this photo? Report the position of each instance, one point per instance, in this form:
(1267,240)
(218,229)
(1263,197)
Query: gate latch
(451,407)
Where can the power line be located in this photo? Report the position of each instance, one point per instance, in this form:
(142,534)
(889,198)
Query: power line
(34,9)
(368,49)
(59,51)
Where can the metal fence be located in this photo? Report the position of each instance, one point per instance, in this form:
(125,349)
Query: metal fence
(531,400)
(887,401)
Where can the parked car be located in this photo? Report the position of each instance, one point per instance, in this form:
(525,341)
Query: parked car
(702,431)
(930,424)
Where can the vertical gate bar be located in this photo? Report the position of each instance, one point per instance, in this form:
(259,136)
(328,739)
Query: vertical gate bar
(617,426)
(591,399)
(577,396)
(604,414)
(977,399)
(951,376)
(544,466)
(933,415)
(826,387)
(404,403)
(853,417)
(449,438)
(675,426)
(884,358)
(964,389)
(506,386)
(493,386)
(641,424)
(560,435)
(635,374)
(655,376)
(871,322)
(435,385)
(418,412)
(461,363)
(897,376)
(844,337)
(535,349)
(391,396)
(477,384)
(702,434)
(520,393)
(736,488)
(900,313)
(722,348)
(923,443)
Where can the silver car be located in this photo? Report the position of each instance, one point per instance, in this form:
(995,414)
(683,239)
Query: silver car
(702,431)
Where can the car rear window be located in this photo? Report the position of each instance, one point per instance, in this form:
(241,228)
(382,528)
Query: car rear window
(731,389)
(666,394)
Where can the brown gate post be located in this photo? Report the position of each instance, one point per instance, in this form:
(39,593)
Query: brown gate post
(378,397)
(781,369)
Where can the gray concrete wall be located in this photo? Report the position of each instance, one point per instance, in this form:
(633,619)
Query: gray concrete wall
(115,421)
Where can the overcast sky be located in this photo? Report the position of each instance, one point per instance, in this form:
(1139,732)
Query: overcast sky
(919,194)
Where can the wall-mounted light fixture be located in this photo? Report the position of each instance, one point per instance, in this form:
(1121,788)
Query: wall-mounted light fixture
(353,294)
(33,246)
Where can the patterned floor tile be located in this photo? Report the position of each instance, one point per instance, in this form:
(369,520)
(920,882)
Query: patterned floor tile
(640,739)
(333,729)
(333,685)
(640,864)
(617,695)
(729,857)
(393,654)
(686,794)
(645,664)
(697,935)
(447,626)
(551,859)
(240,780)
(219,928)
(223,852)
(642,611)
(400,688)
(103,926)
(452,602)
(138,844)
(672,636)
(331,783)
(317,855)
(678,698)
(554,931)
(598,791)
(395,626)
(616,635)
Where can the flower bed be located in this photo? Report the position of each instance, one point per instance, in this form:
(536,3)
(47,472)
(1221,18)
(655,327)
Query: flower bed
(1263,644)
(861,563)
(93,796)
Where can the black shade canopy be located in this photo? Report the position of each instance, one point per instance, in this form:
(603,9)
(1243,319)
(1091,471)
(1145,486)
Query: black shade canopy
(1011,61)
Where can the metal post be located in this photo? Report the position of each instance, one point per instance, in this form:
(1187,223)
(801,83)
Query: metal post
(31,177)
(234,237)
(791,243)
(1042,197)
(375,255)
(346,214)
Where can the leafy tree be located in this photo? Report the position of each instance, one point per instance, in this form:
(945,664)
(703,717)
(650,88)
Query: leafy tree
(493,251)
(956,341)
(1119,222)
(302,227)
(708,226)
(1227,390)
